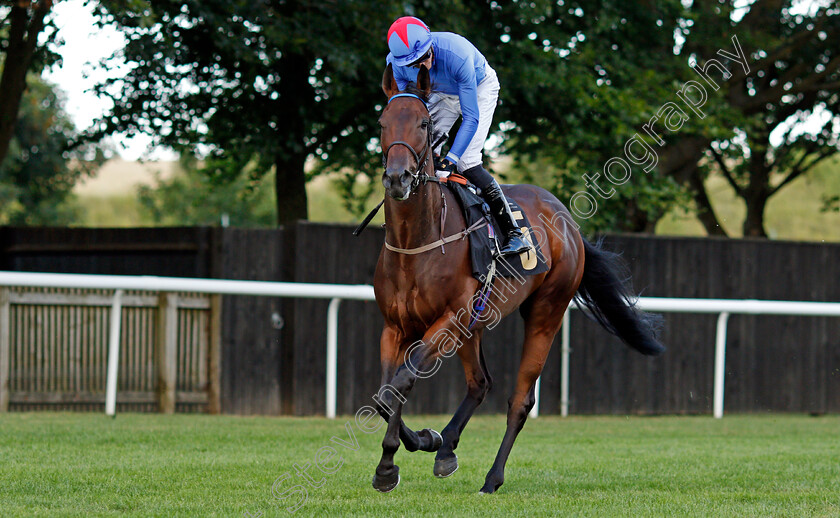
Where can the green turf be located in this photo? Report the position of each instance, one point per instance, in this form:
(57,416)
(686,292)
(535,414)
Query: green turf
(63,464)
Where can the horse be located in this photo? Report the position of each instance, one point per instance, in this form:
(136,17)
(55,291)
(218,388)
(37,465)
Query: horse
(424,289)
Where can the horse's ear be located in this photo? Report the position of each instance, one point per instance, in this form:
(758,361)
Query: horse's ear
(424,81)
(389,84)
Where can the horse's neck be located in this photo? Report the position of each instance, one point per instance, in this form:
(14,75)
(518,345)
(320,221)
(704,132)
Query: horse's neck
(416,221)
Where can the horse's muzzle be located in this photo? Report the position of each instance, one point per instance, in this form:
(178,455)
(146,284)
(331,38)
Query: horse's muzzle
(398,183)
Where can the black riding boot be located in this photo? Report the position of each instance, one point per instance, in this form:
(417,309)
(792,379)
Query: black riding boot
(514,242)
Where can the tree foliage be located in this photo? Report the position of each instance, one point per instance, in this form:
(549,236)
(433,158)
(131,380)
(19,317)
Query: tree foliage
(39,173)
(261,86)
(753,130)
(191,197)
(263,83)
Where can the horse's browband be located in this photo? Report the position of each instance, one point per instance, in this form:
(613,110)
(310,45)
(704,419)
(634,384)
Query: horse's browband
(405,94)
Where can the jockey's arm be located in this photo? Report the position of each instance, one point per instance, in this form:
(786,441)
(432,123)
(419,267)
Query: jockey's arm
(468,98)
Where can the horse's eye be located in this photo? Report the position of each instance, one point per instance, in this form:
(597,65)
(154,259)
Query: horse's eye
(424,124)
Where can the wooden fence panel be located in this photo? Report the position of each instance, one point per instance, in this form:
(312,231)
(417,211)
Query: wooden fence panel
(271,352)
(171,251)
(251,327)
(58,347)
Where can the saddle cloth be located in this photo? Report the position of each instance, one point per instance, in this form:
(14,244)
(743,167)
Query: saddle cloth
(483,241)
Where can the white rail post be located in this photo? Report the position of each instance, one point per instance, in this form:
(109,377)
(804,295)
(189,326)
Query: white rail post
(113,355)
(564,364)
(720,363)
(166,352)
(332,355)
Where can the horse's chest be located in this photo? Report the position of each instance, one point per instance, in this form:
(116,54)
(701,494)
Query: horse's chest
(415,305)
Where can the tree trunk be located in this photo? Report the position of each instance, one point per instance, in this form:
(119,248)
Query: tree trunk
(290,187)
(754,222)
(636,220)
(758,191)
(289,161)
(23,39)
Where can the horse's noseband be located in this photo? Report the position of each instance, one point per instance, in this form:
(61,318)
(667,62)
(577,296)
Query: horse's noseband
(418,174)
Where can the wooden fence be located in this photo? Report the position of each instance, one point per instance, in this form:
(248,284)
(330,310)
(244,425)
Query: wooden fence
(272,351)
(54,347)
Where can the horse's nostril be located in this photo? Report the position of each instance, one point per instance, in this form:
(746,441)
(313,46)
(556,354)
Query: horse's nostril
(386,180)
(406,174)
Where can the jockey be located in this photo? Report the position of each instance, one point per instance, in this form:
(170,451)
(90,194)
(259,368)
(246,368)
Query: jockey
(463,84)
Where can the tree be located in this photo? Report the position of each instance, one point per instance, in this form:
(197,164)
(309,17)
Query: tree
(252,84)
(39,173)
(21,24)
(792,75)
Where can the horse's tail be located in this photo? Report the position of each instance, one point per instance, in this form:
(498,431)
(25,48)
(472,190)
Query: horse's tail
(605,291)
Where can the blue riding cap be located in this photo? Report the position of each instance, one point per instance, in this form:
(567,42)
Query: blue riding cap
(409,39)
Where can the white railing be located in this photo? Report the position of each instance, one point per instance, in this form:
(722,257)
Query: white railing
(120,283)
(722,307)
(338,292)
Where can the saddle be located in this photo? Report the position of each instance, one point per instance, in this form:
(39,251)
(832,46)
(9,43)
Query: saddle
(484,242)
(482,230)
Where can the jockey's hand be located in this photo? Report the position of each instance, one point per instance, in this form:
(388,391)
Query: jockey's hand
(444,168)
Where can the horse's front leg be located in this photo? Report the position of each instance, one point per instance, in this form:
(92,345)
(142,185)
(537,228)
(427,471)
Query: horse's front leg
(419,361)
(423,440)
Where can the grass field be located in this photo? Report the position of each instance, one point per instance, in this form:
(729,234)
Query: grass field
(64,464)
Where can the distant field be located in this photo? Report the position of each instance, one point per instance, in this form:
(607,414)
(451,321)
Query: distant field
(64,464)
(118,177)
(794,214)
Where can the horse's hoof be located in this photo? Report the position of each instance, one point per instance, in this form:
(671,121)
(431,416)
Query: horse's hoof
(490,487)
(387,483)
(446,467)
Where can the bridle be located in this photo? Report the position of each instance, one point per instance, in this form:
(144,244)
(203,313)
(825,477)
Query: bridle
(419,175)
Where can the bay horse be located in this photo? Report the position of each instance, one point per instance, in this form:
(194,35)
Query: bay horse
(425,290)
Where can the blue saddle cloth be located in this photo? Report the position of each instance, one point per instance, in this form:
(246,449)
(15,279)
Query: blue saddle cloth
(483,241)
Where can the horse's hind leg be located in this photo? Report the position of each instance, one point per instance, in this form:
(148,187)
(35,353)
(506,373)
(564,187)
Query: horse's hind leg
(541,326)
(478,383)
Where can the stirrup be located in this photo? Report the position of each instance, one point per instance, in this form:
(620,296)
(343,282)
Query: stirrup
(515,244)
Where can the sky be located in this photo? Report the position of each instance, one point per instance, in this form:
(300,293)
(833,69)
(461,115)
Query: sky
(85,45)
